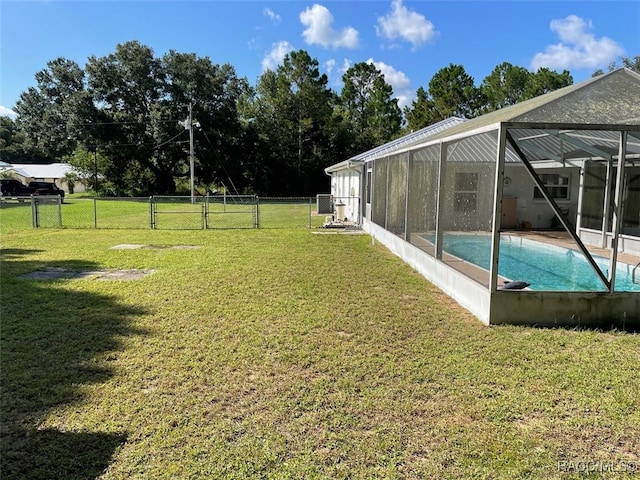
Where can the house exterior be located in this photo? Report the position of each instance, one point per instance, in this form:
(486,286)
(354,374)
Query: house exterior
(54,172)
(567,162)
(346,176)
(346,188)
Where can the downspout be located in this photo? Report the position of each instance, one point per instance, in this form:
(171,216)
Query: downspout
(349,185)
(351,165)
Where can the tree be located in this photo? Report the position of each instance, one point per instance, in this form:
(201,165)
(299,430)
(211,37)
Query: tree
(632,63)
(545,80)
(454,93)
(71,178)
(11,141)
(505,85)
(13,145)
(127,85)
(421,113)
(214,92)
(137,116)
(371,110)
(293,108)
(43,111)
(508,85)
(87,166)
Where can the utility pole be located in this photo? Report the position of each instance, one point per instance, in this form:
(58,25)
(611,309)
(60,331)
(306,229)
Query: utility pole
(95,186)
(191,159)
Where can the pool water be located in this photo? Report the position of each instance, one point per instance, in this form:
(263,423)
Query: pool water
(545,267)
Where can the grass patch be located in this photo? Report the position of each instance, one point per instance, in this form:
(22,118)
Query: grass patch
(276,353)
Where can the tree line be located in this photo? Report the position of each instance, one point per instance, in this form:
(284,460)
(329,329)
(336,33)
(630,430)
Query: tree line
(124,119)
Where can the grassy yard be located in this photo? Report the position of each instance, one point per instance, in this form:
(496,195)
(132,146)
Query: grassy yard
(277,354)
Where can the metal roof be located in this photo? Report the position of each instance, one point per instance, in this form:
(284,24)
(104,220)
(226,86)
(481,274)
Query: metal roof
(52,170)
(411,138)
(579,121)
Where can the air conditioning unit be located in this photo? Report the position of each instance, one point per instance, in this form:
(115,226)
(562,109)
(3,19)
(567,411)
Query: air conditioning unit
(324,203)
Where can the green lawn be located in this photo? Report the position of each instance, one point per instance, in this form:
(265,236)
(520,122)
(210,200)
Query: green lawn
(173,213)
(279,353)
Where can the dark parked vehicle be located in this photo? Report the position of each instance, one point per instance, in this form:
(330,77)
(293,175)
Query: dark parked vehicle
(10,187)
(46,188)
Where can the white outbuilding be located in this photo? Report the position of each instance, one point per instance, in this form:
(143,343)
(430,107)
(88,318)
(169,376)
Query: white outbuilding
(52,172)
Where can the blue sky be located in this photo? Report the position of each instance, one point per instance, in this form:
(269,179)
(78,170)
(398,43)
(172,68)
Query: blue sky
(409,41)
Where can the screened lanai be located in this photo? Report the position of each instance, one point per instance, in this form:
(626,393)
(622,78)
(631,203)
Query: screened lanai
(526,215)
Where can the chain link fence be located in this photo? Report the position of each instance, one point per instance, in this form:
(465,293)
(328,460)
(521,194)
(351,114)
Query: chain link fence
(162,212)
(171,212)
(16,213)
(231,211)
(108,212)
(46,212)
(289,212)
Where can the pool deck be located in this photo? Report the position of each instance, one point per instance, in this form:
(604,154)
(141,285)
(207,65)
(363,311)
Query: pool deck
(563,239)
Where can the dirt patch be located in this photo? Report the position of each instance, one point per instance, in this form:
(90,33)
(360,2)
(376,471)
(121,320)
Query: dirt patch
(127,246)
(134,246)
(340,231)
(53,273)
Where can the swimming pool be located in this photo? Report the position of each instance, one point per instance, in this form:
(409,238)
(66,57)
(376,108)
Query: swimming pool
(545,267)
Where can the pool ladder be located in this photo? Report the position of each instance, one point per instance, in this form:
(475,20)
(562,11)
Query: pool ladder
(633,273)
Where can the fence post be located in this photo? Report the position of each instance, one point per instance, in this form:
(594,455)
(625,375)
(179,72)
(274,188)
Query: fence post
(206,211)
(59,211)
(34,212)
(256,210)
(310,210)
(152,223)
(95,212)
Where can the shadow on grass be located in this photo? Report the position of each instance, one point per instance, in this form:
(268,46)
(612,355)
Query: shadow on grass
(54,342)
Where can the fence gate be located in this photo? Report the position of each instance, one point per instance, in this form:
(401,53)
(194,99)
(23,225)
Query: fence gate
(46,211)
(231,211)
(211,211)
(178,212)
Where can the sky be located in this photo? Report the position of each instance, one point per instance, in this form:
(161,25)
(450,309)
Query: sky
(408,41)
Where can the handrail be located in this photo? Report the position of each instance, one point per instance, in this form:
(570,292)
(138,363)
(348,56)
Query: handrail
(633,273)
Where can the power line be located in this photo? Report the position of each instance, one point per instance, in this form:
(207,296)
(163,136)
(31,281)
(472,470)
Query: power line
(86,124)
(170,140)
(154,145)
(217,157)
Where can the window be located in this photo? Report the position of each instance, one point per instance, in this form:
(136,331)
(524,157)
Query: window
(557,185)
(465,194)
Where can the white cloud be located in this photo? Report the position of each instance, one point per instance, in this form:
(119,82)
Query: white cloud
(578,47)
(272,15)
(398,80)
(276,55)
(346,65)
(329,65)
(319,31)
(7,112)
(405,24)
(335,71)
